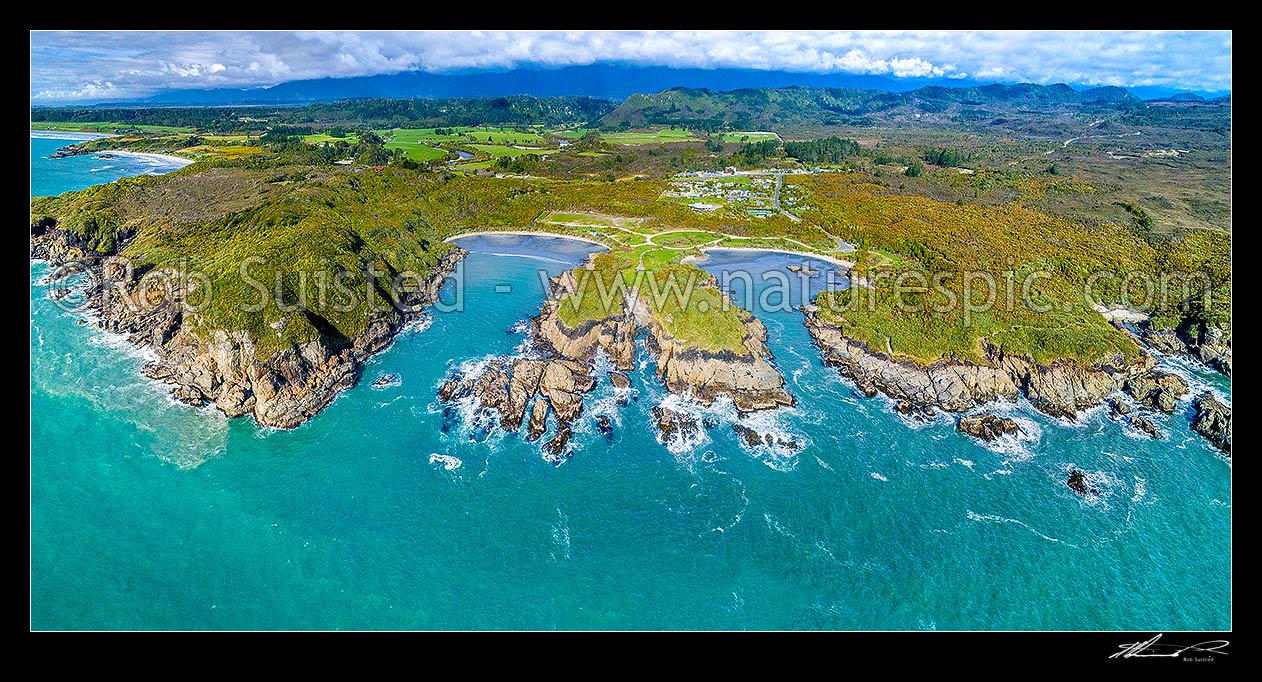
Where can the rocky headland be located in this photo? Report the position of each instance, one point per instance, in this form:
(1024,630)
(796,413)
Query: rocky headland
(1061,388)
(221,366)
(561,366)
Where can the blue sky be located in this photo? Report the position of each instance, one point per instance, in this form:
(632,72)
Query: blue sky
(87,66)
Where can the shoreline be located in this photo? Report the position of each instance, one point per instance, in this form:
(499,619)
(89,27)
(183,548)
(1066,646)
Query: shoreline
(847,265)
(67,135)
(165,158)
(525,233)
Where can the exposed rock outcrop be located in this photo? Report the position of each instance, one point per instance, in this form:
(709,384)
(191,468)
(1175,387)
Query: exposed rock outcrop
(1078,483)
(753,438)
(987,426)
(1213,420)
(615,334)
(522,385)
(1118,408)
(1211,345)
(385,380)
(619,380)
(603,424)
(454,389)
(1214,349)
(492,388)
(671,423)
(1157,389)
(747,435)
(1061,389)
(561,384)
(1146,425)
(538,419)
(555,451)
(222,366)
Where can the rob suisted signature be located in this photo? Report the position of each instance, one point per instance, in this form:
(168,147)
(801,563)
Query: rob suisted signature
(1153,648)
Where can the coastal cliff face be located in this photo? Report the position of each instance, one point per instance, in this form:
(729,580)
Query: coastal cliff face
(615,335)
(1061,389)
(749,379)
(221,366)
(1211,346)
(561,368)
(1213,421)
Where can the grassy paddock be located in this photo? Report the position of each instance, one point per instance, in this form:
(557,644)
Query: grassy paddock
(663,136)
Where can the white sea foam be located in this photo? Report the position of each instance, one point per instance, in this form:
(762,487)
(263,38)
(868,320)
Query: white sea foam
(379,385)
(1101,485)
(682,444)
(448,462)
(392,401)
(774,525)
(780,455)
(878,477)
(1015,447)
(561,537)
(1141,489)
(417,325)
(994,518)
(966,462)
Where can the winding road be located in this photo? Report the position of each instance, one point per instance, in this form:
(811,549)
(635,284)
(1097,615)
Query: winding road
(775,200)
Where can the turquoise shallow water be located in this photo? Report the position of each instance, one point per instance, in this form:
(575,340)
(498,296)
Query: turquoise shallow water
(148,514)
(54,176)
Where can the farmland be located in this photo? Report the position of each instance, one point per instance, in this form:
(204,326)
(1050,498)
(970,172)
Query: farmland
(662,136)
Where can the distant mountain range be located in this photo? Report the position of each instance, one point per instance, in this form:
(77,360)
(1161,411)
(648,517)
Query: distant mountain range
(799,107)
(605,81)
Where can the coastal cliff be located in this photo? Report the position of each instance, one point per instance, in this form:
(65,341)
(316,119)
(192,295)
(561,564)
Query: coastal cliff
(747,378)
(1211,345)
(220,366)
(1061,389)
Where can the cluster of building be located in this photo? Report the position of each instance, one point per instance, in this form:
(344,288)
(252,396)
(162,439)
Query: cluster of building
(757,192)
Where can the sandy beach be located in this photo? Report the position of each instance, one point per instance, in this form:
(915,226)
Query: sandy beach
(164,158)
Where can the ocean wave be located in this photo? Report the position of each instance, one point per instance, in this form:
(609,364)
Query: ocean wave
(561,537)
(447,462)
(738,516)
(1197,375)
(1014,447)
(994,518)
(1103,485)
(680,444)
(1141,489)
(787,442)
(67,135)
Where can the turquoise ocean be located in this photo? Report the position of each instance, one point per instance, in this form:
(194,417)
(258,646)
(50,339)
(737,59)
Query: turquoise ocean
(147,514)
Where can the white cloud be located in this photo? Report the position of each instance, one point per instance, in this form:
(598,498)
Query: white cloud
(79,65)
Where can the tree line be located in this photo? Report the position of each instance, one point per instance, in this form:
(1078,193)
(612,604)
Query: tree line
(825,150)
